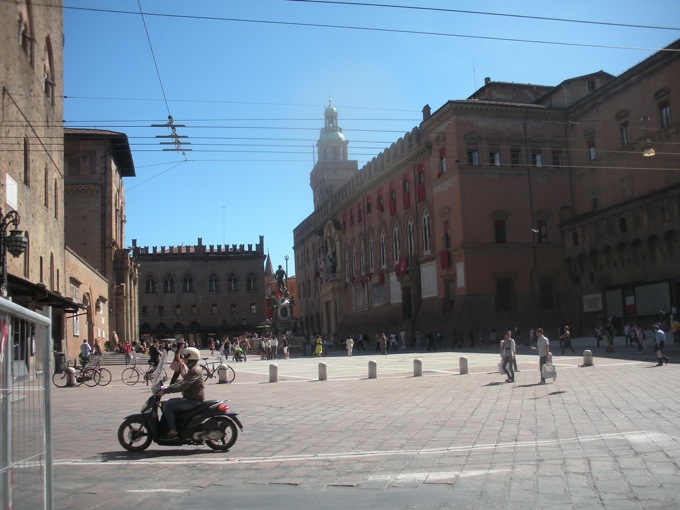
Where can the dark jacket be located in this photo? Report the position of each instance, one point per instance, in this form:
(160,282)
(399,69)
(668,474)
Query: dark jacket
(191,385)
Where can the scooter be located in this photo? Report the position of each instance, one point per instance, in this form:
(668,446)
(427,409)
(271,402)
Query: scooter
(211,423)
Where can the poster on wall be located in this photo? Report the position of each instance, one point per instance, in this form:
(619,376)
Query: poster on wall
(652,299)
(592,303)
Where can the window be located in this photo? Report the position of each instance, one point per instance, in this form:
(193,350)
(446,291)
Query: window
(178,310)
(393,200)
(150,285)
(194,309)
(379,201)
(420,180)
(27,162)
(213,283)
(495,156)
(144,311)
(161,311)
(362,258)
(46,189)
(232,283)
(536,157)
(359,215)
(410,238)
(233,309)
(383,250)
(214,309)
(442,160)
(351,217)
(406,195)
(624,132)
(368,205)
(250,282)
(515,156)
(590,143)
(665,113)
(426,233)
(503,294)
(500,232)
(542,227)
(557,157)
(188,283)
(591,84)
(169,284)
(395,243)
(354,261)
(371,258)
(48,70)
(25,32)
(473,154)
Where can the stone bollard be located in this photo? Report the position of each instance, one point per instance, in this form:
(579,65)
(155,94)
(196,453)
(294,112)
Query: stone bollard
(323,372)
(417,368)
(273,373)
(222,371)
(587,358)
(372,370)
(463,364)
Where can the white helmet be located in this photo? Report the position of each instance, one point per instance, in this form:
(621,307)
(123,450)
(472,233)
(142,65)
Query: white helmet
(190,354)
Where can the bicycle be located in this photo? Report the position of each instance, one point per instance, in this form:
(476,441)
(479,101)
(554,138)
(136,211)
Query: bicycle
(210,371)
(130,375)
(84,375)
(104,373)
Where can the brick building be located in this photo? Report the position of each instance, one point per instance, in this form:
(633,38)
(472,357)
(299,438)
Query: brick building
(461,224)
(200,292)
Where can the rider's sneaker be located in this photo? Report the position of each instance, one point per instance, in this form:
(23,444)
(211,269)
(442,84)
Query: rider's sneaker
(170,435)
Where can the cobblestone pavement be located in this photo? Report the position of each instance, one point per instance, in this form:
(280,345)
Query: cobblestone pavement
(597,437)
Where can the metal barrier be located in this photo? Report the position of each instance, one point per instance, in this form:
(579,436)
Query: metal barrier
(25,402)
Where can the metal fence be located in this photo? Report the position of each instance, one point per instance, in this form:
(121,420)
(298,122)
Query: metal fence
(25,416)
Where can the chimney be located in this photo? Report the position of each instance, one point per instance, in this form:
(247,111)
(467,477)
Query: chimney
(426,112)
(487,80)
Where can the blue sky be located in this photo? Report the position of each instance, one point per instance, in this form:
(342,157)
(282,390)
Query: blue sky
(249,80)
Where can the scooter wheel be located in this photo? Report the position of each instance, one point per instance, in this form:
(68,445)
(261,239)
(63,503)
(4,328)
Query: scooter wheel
(133,435)
(227,428)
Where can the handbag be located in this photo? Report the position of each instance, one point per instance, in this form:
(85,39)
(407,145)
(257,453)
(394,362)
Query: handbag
(174,366)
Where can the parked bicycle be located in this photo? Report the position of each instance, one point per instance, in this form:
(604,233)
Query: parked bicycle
(104,373)
(132,374)
(84,375)
(212,371)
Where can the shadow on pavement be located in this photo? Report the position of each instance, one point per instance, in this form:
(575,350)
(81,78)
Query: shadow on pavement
(153,454)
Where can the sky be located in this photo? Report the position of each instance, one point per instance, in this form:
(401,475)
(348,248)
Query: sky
(247,81)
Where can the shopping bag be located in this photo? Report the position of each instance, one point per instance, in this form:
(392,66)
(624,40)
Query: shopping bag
(548,371)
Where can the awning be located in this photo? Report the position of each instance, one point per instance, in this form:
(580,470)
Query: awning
(31,295)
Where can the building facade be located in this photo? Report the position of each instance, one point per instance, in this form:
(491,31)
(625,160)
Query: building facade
(461,224)
(200,292)
(95,163)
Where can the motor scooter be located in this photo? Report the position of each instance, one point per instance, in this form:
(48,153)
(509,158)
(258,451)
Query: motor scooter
(211,423)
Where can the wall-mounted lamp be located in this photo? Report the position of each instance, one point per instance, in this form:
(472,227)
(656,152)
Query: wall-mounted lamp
(15,243)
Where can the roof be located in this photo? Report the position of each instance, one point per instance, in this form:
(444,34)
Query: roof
(120,147)
(29,294)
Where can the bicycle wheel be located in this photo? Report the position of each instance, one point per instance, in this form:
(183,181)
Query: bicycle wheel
(90,377)
(231,375)
(130,376)
(104,376)
(206,373)
(60,380)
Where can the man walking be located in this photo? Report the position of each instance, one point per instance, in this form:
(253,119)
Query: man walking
(508,355)
(543,346)
(659,341)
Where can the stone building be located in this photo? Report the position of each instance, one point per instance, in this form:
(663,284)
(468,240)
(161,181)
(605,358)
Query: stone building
(96,161)
(461,224)
(200,292)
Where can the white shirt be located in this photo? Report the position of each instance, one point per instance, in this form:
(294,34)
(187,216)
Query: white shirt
(543,345)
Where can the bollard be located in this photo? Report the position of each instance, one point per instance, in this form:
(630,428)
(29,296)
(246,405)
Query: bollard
(273,373)
(71,376)
(417,367)
(323,371)
(372,370)
(463,364)
(587,358)
(222,374)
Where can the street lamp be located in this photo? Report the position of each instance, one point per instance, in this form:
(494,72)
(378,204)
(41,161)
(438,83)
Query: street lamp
(15,243)
(286,259)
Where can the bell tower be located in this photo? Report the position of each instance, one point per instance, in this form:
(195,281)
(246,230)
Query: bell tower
(333,169)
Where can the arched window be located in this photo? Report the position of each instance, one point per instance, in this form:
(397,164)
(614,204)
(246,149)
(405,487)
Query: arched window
(371,256)
(383,250)
(188,283)
(232,282)
(169,284)
(410,238)
(354,261)
(426,233)
(25,29)
(250,282)
(150,285)
(48,69)
(362,258)
(395,243)
(213,283)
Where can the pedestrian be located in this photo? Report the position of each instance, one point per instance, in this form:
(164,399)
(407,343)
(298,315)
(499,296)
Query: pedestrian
(610,331)
(274,347)
(543,346)
(85,353)
(127,350)
(566,340)
(381,342)
(350,345)
(318,346)
(286,345)
(176,364)
(402,338)
(212,347)
(154,354)
(659,341)
(508,352)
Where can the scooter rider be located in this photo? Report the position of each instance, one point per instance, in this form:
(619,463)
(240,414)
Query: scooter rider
(191,387)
